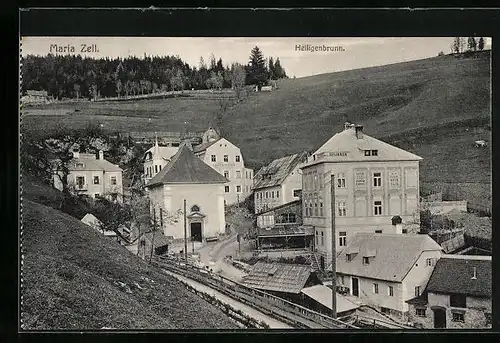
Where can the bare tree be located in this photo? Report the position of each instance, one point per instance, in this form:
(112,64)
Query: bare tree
(238,76)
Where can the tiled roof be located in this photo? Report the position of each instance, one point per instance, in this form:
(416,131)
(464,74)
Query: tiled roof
(291,203)
(91,163)
(185,167)
(346,142)
(159,239)
(279,231)
(278,277)
(323,295)
(395,254)
(203,146)
(278,170)
(454,274)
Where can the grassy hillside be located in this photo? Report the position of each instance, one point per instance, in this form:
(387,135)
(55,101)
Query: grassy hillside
(74,278)
(435,107)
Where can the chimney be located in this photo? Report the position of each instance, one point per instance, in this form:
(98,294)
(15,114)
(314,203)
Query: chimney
(359,131)
(101,155)
(474,277)
(76,154)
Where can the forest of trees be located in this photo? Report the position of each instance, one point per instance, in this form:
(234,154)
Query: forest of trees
(469,44)
(72,76)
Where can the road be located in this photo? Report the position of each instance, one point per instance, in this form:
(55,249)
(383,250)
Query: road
(250,311)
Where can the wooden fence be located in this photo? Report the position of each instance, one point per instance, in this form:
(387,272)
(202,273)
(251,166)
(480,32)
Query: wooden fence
(274,306)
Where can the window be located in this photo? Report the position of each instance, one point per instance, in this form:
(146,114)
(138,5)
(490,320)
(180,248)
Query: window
(385,310)
(342,209)
(341,181)
(226,158)
(378,231)
(277,194)
(375,288)
(296,193)
(458,317)
(429,262)
(342,280)
(458,300)
(159,167)
(360,179)
(237,158)
(267,195)
(417,291)
(377,179)
(390,291)
(377,208)
(315,182)
(348,257)
(213,158)
(113,180)
(238,189)
(195,208)
(226,174)
(238,174)
(368,152)
(321,209)
(156,168)
(374,152)
(80,181)
(226,189)
(420,312)
(405,230)
(96,180)
(342,238)
(322,238)
(97,195)
(272,194)
(316,209)
(394,179)
(366,260)
(316,237)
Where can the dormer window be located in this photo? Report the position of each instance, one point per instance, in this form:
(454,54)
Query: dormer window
(366,260)
(195,208)
(374,152)
(79,164)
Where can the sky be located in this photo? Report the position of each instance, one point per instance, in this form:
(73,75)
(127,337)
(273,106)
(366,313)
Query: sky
(356,52)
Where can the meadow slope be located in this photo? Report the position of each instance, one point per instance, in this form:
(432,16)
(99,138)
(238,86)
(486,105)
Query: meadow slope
(74,278)
(435,107)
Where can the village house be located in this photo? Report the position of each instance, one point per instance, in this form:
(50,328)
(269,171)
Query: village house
(226,158)
(279,182)
(458,295)
(35,97)
(186,177)
(374,183)
(319,298)
(385,270)
(155,158)
(93,176)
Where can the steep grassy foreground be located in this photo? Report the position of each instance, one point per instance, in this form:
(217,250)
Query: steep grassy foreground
(435,107)
(74,278)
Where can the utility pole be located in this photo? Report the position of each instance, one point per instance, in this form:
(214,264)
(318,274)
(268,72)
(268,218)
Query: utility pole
(185,235)
(153,238)
(334,265)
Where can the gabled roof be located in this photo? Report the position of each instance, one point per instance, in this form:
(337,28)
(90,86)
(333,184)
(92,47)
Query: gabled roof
(395,255)
(159,239)
(203,146)
(278,277)
(165,152)
(91,220)
(323,295)
(278,170)
(454,274)
(185,167)
(288,204)
(91,163)
(345,146)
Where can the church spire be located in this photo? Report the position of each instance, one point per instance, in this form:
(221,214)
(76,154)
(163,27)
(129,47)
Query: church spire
(157,148)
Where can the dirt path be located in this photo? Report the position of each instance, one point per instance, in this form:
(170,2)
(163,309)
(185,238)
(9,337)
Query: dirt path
(250,311)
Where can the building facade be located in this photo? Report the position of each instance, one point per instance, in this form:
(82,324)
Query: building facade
(226,158)
(92,175)
(373,183)
(186,177)
(278,183)
(155,158)
(386,270)
(458,295)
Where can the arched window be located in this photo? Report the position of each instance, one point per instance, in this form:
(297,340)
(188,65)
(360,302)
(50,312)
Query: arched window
(195,208)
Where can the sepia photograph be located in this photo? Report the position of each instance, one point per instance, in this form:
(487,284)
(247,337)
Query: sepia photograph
(233,183)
